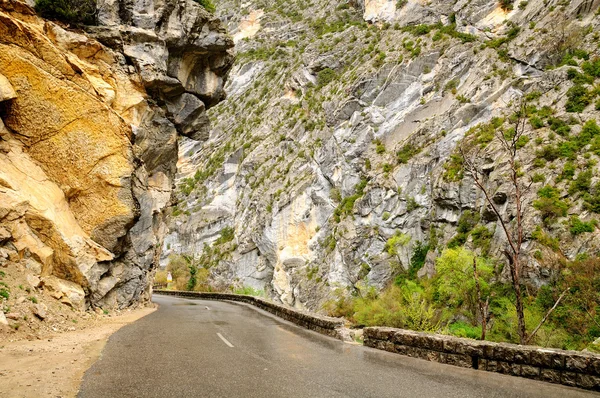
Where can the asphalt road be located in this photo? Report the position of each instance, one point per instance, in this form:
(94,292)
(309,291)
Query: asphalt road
(196,348)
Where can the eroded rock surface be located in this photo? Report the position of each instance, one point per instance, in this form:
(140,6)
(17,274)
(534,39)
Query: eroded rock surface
(340,135)
(89,137)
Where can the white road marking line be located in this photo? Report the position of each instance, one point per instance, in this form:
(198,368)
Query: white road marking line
(225,340)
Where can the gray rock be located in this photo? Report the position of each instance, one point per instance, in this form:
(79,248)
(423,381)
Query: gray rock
(39,310)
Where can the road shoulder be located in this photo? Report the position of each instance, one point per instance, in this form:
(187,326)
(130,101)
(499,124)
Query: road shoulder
(54,366)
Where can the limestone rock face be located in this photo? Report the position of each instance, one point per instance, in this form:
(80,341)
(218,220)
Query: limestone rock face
(340,134)
(88,142)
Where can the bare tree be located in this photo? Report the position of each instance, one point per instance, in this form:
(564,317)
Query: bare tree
(514,235)
(510,142)
(483,305)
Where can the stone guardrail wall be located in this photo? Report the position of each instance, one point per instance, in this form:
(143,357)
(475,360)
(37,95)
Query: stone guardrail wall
(324,325)
(571,368)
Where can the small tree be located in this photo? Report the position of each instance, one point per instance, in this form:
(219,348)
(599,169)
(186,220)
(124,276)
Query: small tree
(70,11)
(463,284)
(510,141)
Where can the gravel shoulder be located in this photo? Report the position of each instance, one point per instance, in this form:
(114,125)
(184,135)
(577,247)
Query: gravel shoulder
(53,366)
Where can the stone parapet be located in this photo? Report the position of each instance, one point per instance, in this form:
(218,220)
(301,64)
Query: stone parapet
(321,324)
(571,368)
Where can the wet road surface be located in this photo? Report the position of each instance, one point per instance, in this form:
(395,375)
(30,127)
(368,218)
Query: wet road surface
(198,348)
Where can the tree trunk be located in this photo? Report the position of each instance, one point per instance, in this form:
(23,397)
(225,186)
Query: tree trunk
(519,300)
(482,309)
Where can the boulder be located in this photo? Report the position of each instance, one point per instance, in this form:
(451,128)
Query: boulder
(39,310)
(7,92)
(68,293)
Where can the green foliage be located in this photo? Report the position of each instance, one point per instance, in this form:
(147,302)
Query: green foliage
(401,307)
(226,235)
(250,291)
(411,204)
(346,206)
(537,177)
(592,68)
(482,239)
(544,239)
(4,291)
(468,220)
(462,329)
(549,203)
(456,283)
(70,11)
(536,122)
(506,5)
(379,147)
(578,98)
(325,76)
(417,260)
(406,153)
(191,284)
(579,227)
(395,242)
(454,168)
(207,4)
(452,84)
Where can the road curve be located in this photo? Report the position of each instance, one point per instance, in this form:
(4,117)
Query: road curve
(197,348)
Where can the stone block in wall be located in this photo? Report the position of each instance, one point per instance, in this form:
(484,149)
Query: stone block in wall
(503,352)
(400,349)
(588,382)
(508,368)
(463,361)
(577,363)
(468,347)
(433,342)
(546,359)
(522,354)
(488,349)
(405,337)
(550,375)
(568,379)
(531,372)
(594,366)
(433,356)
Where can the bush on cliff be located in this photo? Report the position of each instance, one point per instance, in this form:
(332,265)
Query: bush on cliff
(69,11)
(207,4)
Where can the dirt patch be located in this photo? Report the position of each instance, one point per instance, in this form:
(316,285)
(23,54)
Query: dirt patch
(54,366)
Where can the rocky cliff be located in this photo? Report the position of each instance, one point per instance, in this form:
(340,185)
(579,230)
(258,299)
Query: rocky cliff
(334,164)
(89,126)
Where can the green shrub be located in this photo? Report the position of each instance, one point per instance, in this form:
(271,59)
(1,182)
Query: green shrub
(395,242)
(207,4)
(379,147)
(550,204)
(544,239)
(70,11)
(249,291)
(506,5)
(406,153)
(462,329)
(582,183)
(536,122)
(578,227)
(537,177)
(592,68)
(417,260)
(578,98)
(454,168)
(325,76)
